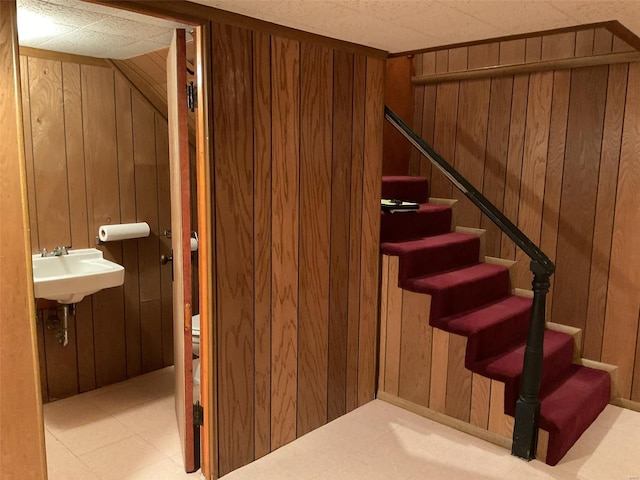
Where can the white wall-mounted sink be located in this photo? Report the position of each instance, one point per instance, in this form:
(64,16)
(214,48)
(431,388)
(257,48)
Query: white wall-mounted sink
(69,278)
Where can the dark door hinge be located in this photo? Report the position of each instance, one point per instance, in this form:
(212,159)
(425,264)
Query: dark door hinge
(192,96)
(198,415)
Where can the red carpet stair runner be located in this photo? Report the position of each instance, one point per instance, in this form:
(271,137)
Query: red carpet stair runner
(474,299)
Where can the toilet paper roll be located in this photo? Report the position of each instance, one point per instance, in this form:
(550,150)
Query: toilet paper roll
(123,231)
(194,244)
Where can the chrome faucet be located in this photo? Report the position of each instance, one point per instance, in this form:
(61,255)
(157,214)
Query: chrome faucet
(59,251)
(56,252)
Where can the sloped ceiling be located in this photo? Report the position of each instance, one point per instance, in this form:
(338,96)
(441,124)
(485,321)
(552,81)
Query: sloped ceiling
(72,26)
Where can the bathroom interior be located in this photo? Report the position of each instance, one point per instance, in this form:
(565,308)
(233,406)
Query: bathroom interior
(97,157)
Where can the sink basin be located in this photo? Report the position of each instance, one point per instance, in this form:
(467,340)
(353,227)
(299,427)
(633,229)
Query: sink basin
(69,278)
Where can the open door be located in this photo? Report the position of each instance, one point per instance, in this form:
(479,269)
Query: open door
(180,241)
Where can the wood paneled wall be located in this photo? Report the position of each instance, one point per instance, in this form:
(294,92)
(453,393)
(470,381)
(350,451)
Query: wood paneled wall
(558,153)
(22,450)
(97,153)
(298,161)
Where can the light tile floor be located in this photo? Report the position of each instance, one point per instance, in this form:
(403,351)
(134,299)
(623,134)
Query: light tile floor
(128,431)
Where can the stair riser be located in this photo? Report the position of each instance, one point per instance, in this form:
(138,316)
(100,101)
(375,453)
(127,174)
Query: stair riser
(439,259)
(397,227)
(408,189)
(464,297)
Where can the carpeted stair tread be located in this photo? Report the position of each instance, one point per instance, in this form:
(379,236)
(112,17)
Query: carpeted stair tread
(430,219)
(434,254)
(462,289)
(507,366)
(570,405)
(491,328)
(408,189)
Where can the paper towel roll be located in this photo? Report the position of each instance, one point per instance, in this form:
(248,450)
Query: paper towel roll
(123,231)
(194,244)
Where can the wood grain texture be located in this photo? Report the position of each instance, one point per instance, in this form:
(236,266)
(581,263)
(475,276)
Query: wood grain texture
(146,180)
(471,137)
(512,51)
(393,340)
(584,43)
(602,41)
(533,49)
(285,94)
(483,55)
(355,234)
(444,137)
(623,301)
(315,348)
(399,98)
(495,163)
(557,46)
(514,159)
(234,231)
(605,207)
(262,240)
(371,187)
(534,166)
(60,359)
(340,229)
(417,63)
(24,455)
(415,348)
(77,189)
(480,401)
(579,192)
(384,316)
(49,152)
(555,166)
(458,59)
(499,422)
(439,370)
(458,398)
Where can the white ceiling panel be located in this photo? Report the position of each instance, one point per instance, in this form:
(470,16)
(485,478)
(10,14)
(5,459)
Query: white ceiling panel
(73,26)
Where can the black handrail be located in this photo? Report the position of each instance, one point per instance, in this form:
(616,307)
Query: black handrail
(525,430)
(479,200)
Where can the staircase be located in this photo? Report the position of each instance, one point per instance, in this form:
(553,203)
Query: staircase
(474,299)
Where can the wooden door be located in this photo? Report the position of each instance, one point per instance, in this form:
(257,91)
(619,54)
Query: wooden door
(180,240)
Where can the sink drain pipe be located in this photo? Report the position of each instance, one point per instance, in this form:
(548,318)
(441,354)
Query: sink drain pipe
(63,332)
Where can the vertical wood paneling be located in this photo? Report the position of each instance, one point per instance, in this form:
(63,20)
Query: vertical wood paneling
(372,184)
(584,43)
(340,223)
(234,231)
(555,165)
(534,166)
(623,300)
(602,41)
(60,360)
(262,240)
(101,160)
(418,107)
(384,315)
(146,181)
(316,102)
(49,154)
(514,159)
(497,150)
(355,235)
(480,401)
(415,348)
(393,330)
(559,45)
(533,49)
(28,152)
(126,171)
(578,202)
(77,195)
(458,59)
(444,137)
(471,136)
(439,369)
(512,51)
(483,55)
(285,58)
(84,345)
(605,205)
(458,398)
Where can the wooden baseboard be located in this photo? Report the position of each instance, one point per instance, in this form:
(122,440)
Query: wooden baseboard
(624,403)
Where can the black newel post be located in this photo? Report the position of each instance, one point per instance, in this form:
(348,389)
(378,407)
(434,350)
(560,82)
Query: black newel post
(525,431)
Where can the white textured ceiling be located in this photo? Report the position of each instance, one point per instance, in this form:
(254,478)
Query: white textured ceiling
(72,26)
(403,25)
(392,25)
